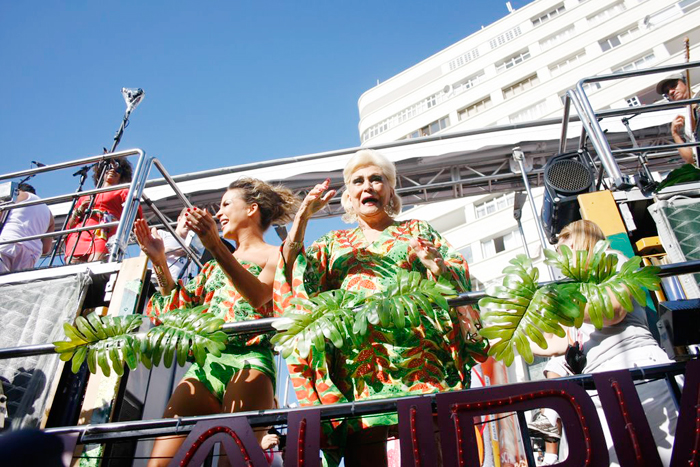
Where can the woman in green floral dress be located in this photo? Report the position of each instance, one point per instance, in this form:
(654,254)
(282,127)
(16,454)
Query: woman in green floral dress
(432,357)
(236,287)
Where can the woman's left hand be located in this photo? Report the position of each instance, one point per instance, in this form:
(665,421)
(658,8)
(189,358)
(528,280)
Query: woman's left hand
(429,255)
(203,224)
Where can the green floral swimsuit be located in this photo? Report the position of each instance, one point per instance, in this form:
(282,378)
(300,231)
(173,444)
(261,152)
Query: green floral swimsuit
(212,287)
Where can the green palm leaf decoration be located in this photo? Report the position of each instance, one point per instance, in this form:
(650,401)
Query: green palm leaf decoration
(331,318)
(109,342)
(598,279)
(341,316)
(520,311)
(181,332)
(103,341)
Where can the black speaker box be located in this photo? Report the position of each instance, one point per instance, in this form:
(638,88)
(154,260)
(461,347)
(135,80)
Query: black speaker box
(565,177)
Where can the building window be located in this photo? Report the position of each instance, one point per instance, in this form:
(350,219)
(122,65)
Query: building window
(493,246)
(505,37)
(619,39)
(468,254)
(463,59)
(640,63)
(492,205)
(512,61)
(559,9)
(431,129)
(407,113)
(688,5)
(474,109)
(529,113)
(521,86)
(567,63)
(468,83)
(633,101)
(604,15)
(557,38)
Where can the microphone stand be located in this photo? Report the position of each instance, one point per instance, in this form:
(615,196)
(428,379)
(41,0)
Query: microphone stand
(131,105)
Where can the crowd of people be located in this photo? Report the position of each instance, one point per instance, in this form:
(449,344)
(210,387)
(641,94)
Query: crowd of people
(258,280)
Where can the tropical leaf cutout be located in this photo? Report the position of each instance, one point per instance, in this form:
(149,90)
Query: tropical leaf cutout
(520,311)
(181,333)
(341,317)
(598,279)
(110,342)
(107,342)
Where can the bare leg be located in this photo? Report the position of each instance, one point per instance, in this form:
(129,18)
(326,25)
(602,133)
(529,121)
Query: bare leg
(248,390)
(190,398)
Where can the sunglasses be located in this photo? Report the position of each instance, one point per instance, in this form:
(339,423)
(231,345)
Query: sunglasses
(115,166)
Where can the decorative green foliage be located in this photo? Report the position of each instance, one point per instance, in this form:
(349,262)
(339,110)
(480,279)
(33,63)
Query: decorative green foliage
(102,341)
(598,279)
(181,332)
(332,315)
(109,342)
(520,311)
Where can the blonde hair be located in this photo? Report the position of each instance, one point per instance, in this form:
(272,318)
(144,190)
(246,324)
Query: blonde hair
(277,203)
(585,234)
(365,158)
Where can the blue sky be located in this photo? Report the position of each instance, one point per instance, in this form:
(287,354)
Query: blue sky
(226,83)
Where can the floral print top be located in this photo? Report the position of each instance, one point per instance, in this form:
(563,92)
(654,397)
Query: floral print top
(212,287)
(390,362)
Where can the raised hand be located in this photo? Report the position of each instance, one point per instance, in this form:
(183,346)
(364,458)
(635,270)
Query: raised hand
(678,126)
(201,222)
(317,198)
(149,240)
(429,255)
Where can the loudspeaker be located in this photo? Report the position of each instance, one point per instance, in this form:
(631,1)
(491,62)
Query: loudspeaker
(565,177)
(681,318)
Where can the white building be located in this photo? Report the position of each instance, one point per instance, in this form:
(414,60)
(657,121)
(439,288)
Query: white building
(519,69)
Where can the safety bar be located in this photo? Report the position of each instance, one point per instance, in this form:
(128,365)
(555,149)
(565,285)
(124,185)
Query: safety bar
(257,326)
(167,426)
(134,197)
(590,119)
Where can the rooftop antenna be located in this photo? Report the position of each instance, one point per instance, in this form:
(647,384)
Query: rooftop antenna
(510,7)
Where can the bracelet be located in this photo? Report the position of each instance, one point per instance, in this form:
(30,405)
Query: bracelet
(295,246)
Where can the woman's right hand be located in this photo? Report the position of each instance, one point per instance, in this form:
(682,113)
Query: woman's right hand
(317,198)
(149,240)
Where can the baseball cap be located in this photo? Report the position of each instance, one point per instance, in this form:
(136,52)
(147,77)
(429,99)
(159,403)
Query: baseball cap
(661,85)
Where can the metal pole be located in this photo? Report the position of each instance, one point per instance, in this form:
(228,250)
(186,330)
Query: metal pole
(518,155)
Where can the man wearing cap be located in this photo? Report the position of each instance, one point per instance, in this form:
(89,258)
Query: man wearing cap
(674,88)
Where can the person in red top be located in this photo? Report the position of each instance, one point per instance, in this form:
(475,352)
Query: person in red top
(92,245)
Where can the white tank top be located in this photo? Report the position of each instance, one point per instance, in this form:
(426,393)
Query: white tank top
(23,222)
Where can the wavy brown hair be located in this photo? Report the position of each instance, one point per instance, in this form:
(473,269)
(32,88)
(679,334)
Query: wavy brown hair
(277,203)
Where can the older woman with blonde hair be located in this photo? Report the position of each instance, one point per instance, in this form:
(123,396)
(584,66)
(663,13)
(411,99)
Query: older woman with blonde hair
(428,358)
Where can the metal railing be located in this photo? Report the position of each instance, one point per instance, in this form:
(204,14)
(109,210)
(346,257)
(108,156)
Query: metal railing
(124,226)
(590,119)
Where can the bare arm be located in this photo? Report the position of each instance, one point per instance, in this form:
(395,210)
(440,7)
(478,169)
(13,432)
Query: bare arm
(555,346)
(48,241)
(256,290)
(152,245)
(677,131)
(317,198)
